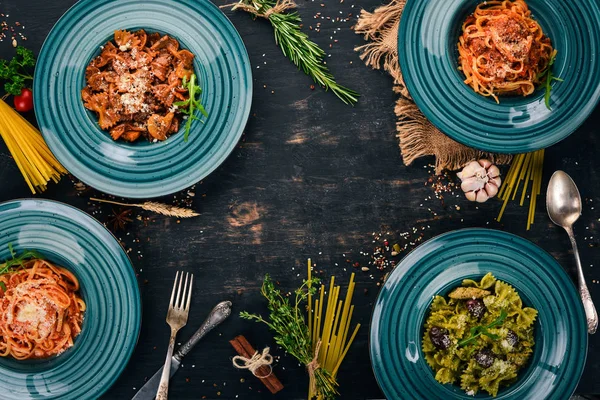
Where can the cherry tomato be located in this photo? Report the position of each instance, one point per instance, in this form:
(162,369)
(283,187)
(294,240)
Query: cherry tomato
(24,101)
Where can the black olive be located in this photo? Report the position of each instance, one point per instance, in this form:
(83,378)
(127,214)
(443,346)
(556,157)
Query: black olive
(439,337)
(512,338)
(485,358)
(476,308)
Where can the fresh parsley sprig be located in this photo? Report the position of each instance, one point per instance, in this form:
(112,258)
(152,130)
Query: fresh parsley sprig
(17,71)
(479,330)
(547,77)
(192,104)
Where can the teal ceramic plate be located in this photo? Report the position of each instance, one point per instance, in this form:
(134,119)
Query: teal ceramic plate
(76,241)
(142,170)
(428,35)
(440,265)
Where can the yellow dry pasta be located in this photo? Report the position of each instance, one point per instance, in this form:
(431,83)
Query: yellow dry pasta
(332,330)
(527,168)
(27,147)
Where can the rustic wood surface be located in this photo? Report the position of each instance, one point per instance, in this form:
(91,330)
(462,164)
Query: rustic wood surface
(310,178)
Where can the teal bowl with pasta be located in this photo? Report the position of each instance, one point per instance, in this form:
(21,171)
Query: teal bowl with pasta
(429,59)
(142,169)
(547,316)
(67,237)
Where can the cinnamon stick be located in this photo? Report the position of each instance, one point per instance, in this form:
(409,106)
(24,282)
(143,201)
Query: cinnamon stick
(245,349)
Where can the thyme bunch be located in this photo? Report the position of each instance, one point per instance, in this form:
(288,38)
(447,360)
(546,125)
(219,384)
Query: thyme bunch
(295,44)
(291,331)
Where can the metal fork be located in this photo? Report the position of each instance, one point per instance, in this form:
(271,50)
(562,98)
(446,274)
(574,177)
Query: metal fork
(177,317)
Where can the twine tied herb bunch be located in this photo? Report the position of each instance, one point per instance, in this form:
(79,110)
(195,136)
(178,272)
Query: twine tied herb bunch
(291,332)
(294,43)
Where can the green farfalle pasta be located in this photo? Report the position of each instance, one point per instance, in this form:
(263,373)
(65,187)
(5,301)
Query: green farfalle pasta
(486,282)
(482,349)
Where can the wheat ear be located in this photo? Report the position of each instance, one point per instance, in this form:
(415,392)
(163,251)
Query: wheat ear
(159,208)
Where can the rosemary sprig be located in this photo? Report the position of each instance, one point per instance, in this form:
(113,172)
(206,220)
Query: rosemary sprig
(296,45)
(192,104)
(291,331)
(548,78)
(479,330)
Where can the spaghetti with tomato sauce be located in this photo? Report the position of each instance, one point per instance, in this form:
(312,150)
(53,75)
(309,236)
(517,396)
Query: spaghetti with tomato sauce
(503,50)
(41,311)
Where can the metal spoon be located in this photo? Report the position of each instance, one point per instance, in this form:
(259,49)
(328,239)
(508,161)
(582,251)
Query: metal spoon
(563,203)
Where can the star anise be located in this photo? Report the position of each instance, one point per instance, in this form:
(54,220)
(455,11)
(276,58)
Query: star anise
(119,219)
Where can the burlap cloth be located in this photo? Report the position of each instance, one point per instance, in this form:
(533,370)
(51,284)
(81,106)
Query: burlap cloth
(418,137)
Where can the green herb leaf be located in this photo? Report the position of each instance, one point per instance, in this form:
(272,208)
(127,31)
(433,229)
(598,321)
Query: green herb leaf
(291,332)
(5,71)
(479,330)
(296,46)
(547,76)
(12,251)
(192,104)
(27,57)
(15,86)
(17,261)
(17,72)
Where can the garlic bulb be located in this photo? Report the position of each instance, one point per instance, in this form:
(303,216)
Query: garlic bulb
(480,180)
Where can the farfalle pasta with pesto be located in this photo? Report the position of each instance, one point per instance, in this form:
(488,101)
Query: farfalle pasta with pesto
(480,337)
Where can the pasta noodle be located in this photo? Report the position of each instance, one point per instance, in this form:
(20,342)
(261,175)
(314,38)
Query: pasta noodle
(41,311)
(481,336)
(527,168)
(332,332)
(502,50)
(27,147)
(135,84)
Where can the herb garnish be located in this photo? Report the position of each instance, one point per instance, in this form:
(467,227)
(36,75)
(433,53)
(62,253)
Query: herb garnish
(479,330)
(291,331)
(16,72)
(548,78)
(16,261)
(192,104)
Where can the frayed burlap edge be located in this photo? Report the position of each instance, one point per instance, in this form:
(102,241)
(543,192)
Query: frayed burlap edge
(381,29)
(417,136)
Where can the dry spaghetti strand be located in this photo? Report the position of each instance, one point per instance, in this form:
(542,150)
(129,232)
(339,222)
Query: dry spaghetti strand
(331,331)
(28,149)
(503,50)
(526,169)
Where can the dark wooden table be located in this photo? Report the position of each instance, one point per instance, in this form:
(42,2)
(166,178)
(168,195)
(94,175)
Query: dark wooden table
(310,178)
